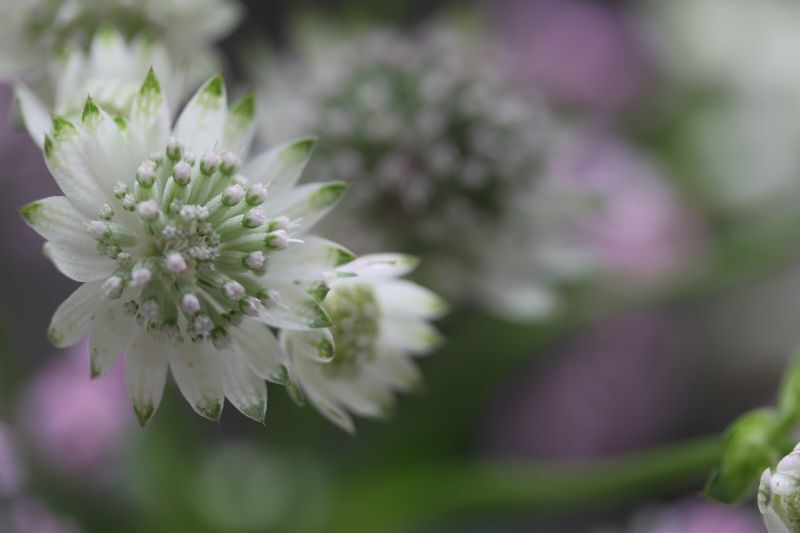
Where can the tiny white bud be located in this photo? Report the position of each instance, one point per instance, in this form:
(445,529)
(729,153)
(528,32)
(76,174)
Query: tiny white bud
(190,304)
(175,262)
(182,173)
(233,195)
(150,309)
(234,291)
(256,194)
(202,324)
(120,190)
(255,260)
(148,209)
(230,163)
(106,212)
(129,202)
(188,213)
(254,218)
(98,229)
(279,223)
(146,174)
(250,306)
(209,163)
(112,287)
(277,240)
(140,277)
(174,148)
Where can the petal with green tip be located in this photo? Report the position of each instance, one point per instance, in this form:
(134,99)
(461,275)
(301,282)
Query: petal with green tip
(281,167)
(145,375)
(311,259)
(240,125)
(109,338)
(76,316)
(196,369)
(245,390)
(307,204)
(149,123)
(201,124)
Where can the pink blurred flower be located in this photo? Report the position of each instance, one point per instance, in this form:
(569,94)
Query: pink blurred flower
(76,423)
(12,476)
(578,52)
(32,516)
(706,517)
(617,388)
(633,224)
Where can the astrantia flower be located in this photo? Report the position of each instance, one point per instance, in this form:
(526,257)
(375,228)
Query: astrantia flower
(429,126)
(778,495)
(379,322)
(186,254)
(31,31)
(111,72)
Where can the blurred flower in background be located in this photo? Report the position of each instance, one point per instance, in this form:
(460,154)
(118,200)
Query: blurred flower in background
(627,219)
(738,80)
(584,54)
(33,30)
(32,516)
(76,424)
(619,386)
(430,127)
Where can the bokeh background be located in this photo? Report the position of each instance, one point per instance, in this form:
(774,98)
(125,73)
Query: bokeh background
(680,115)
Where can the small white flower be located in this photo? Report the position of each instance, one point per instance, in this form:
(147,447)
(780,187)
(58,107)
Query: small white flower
(166,273)
(778,495)
(111,72)
(32,31)
(379,323)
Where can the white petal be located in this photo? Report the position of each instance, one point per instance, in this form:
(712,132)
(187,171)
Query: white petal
(145,374)
(78,265)
(240,126)
(315,345)
(413,335)
(306,204)
(57,220)
(401,297)
(196,370)
(382,265)
(68,151)
(331,411)
(109,338)
(245,390)
(396,370)
(307,260)
(256,344)
(34,113)
(774,523)
(200,125)
(364,397)
(281,167)
(150,119)
(76,316)
(295,308)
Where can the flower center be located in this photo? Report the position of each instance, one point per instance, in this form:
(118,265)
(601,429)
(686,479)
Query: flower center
(355,316)
(190,239)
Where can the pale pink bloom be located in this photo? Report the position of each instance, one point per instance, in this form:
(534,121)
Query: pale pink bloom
(78,424)
(578,52)
(629,220)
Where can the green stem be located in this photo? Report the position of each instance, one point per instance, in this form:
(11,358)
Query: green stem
(401,499)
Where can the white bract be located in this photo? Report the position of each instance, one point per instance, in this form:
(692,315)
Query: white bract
(379,323)
(31,31)
(188,250)
(779,495)
(111,72)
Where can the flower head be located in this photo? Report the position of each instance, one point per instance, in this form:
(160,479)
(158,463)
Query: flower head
(379,322)
(33,30)
(188,250)
(778,495)
(436,135)
(111,71)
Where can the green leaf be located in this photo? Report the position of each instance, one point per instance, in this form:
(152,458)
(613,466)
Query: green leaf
(789,395)
(749,447)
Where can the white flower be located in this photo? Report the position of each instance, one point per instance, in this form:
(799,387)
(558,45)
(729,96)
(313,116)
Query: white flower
(379,323)
(433,130)
(111,72)
(778,495)
(187,249)
(31,31)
